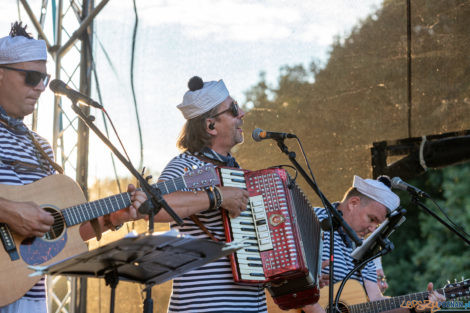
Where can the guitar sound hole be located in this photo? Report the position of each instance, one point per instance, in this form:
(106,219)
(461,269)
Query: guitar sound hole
(342,308)
(57,229)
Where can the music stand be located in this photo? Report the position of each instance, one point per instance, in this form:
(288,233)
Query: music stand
(145,259)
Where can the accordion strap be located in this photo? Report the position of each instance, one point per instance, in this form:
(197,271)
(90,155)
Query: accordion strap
(193,217)
(208,160)
(198,222)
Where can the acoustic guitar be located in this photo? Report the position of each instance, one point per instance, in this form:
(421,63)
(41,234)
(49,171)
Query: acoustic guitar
(354,299)
(63,198)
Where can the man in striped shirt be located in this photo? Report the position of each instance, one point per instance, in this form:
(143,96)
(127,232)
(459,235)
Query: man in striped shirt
(212,129)
(25,157)
(364,206)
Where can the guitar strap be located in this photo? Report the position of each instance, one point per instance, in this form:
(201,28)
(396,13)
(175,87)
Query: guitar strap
(193,217)
(43,153)
(94,222)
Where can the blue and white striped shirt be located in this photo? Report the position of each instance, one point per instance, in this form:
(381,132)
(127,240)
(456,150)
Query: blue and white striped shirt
(342,253)
(16,148)
(210,288)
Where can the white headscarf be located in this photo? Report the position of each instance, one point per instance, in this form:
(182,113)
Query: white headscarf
(377,191)
(198,102)
(21,49)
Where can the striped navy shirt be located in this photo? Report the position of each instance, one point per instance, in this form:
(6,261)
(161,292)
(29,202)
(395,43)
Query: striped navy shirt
(210,288)
(16,148)
(342,253)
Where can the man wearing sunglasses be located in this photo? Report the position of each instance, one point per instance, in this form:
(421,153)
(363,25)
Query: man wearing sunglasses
(212,129)
(25,157)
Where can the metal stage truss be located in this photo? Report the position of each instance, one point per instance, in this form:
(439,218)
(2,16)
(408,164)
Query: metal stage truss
(69,43)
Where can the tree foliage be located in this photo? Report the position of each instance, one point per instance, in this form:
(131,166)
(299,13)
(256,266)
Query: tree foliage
(360,96)
(425,250)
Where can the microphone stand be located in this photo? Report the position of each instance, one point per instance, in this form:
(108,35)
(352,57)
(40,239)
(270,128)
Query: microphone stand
(379,247)
(415,200)
(154,201)
(387,247)
(335,222)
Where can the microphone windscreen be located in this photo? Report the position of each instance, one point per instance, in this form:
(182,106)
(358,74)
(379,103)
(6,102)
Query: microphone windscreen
(57,85)
(256,134)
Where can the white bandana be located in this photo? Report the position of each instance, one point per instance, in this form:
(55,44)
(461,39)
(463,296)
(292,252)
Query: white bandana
(198,102)
(21,49)
(377,191)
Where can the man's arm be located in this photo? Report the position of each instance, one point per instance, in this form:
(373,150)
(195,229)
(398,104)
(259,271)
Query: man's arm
(25,218)
(313,308)
(187,203)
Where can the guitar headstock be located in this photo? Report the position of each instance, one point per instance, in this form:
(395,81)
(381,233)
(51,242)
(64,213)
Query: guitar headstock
(457,289)
(204,176)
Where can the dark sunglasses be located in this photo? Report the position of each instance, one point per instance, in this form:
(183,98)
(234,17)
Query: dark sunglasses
(32,78)
(234,110)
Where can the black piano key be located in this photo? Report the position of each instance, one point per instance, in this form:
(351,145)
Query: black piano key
(247,229)
(239,174)
(257,274)
(236,180)
(246,223)
(249,237)
(255,265)
(250,258)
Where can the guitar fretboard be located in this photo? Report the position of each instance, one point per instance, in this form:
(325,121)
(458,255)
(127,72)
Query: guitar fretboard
(388,304)
(87,211)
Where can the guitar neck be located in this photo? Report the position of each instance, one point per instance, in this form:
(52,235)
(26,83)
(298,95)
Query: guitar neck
(388,304)
(90,210)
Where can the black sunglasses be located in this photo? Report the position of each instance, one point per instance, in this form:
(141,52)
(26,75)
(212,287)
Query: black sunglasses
(32,78)
(234,110)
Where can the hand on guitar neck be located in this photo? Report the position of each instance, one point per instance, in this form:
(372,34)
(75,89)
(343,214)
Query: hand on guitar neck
(130,213)
(354,298)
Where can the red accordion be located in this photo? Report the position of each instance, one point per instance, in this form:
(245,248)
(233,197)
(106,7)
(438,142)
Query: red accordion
(281,233)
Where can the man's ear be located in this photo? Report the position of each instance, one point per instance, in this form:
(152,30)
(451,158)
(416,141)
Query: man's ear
(353,203)
(210,126)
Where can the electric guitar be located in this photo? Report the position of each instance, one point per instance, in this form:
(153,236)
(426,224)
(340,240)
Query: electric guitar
(63,198)
(353,299)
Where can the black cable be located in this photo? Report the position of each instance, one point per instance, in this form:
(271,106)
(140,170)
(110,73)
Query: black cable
(408,59)
(332,233)
(457,227)
(134,35)
(98,90)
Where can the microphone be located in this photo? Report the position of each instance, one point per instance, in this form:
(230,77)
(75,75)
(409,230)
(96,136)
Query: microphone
(59,87)
(259,134)
(397,183)
(371,245)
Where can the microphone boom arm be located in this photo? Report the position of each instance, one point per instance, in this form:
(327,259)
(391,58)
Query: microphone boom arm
(420,204)
(153,194)
(332,212)
(291,154)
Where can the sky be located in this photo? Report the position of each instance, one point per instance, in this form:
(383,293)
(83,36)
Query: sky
(233,40)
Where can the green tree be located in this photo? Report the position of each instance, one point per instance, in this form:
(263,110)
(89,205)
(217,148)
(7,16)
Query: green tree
(425,250)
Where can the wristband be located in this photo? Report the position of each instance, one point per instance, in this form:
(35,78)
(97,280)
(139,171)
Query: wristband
(218,197)
(211,196)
